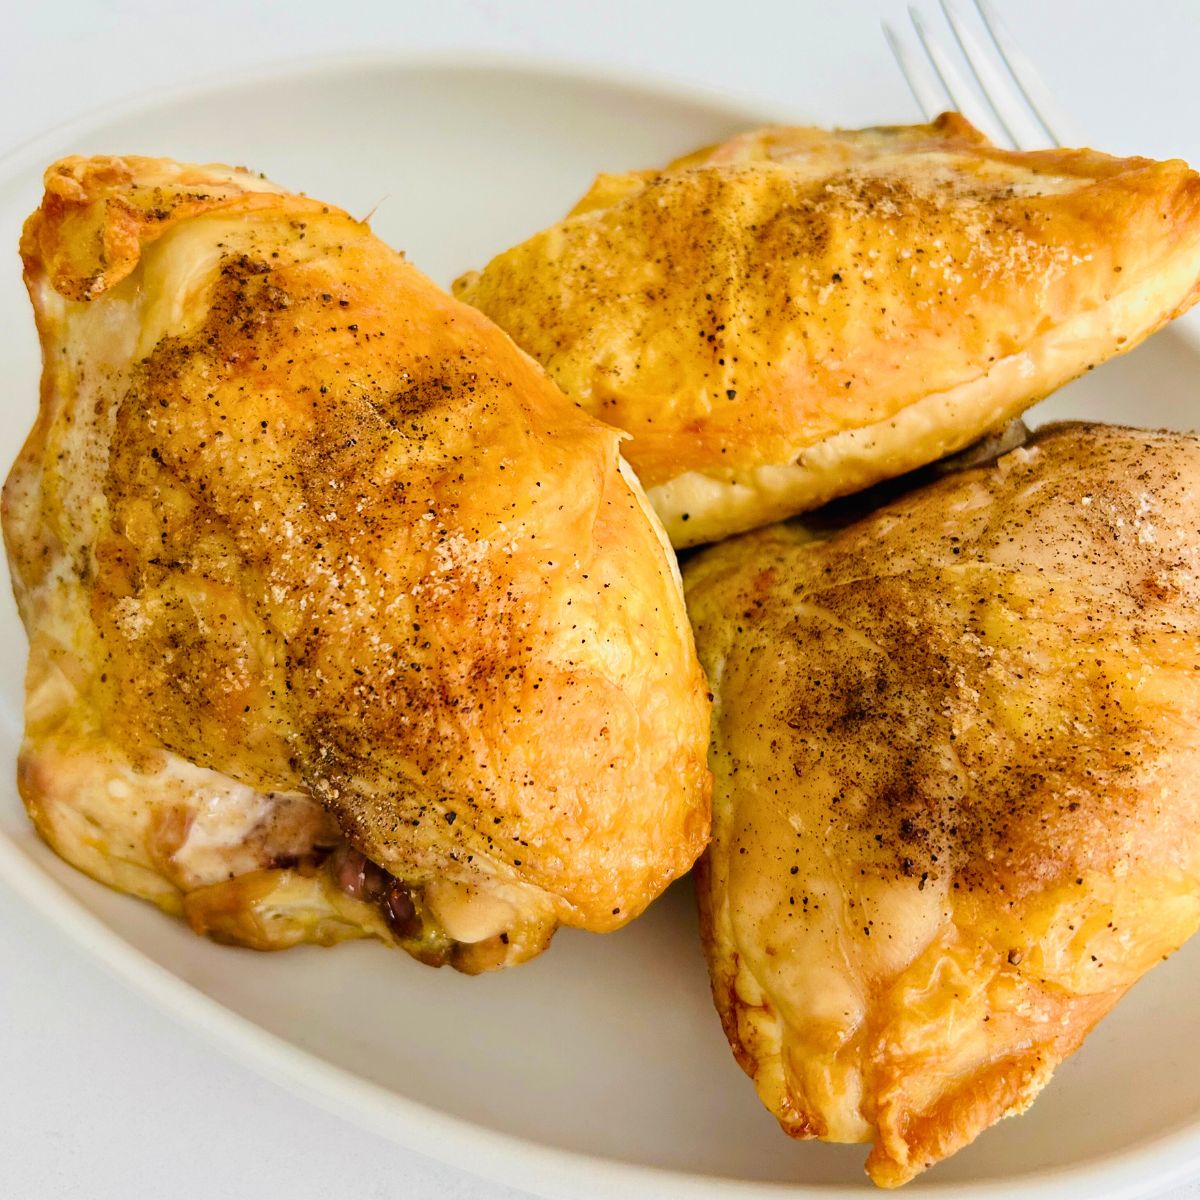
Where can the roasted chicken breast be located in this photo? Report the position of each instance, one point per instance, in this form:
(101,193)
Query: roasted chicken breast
(955,748)
(795,314)
(342,619)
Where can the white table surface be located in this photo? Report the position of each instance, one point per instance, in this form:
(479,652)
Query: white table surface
(103,1097)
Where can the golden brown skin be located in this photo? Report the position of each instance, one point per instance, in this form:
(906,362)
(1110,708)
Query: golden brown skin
(309,551)
(797,314)
(955,815)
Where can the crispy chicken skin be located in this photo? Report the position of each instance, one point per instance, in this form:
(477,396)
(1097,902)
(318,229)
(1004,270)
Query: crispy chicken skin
(342,619)
(796,314)
(955,748)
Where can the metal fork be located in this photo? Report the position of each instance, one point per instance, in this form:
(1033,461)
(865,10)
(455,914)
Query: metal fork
(1007,100)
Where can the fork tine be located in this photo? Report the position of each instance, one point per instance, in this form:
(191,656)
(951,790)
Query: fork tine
(928,99)
(956,85)
(1037,95)
(1023,131)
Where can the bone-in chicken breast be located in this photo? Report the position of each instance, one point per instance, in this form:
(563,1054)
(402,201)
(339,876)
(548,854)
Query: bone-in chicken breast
(342,619)
(955,814)
(796,314)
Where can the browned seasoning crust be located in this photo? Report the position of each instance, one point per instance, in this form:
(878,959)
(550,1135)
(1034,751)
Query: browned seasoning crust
(796,314)
(955,747)
(295,525)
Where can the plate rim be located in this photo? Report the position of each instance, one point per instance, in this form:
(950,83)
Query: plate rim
(1153,1165)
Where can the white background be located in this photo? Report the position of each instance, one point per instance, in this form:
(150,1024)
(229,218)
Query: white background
(102,1096)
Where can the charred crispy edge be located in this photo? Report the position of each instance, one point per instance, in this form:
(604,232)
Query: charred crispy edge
(1003,1088)
(723,966)
(724,963)
(98,213)
(718,945)
(956,127)
(720,974)
(949,131)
